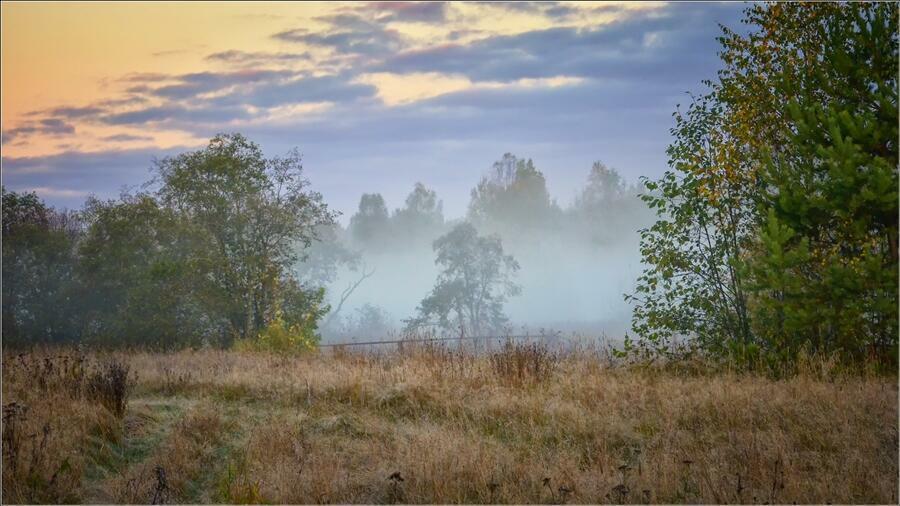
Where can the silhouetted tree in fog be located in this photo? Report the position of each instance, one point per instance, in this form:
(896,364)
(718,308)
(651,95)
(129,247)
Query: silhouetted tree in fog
(474,283)
(607,206)
(513,197)
(423,215)
(371,222)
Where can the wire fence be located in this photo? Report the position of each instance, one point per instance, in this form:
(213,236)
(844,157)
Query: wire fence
(442,339)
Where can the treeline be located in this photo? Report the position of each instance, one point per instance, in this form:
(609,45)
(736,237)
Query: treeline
(226,245)
(512,201)
(205,257)
(777,229)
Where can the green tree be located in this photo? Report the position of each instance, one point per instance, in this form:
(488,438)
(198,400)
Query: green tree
(801,121)
(472,286)
(39,258)
(834,194)
(692,287)
(141,281)
(253,211)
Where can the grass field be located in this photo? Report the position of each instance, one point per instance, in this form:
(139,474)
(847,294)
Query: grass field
(435,426)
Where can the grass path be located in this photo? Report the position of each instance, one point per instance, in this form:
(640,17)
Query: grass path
(153,429)
(148,422)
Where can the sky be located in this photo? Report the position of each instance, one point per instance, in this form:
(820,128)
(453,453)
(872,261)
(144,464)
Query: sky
(376,96)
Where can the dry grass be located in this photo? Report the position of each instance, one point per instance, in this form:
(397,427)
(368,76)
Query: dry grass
(52,425)
(430,425)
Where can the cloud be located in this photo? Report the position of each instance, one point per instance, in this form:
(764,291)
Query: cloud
(554,10)
(194,84)
(351,34)
(72,175)
(46,126)
(178,113)
(672,43)
(236,57)
(186,106)
(126,138)
(304,89)
(563,94)
(69,112)
(48,192)
(143,77)
(170,52)
(448,140)
(421,12)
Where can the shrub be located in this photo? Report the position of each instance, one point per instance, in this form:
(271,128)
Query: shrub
(280,337)
(110,385)
(522,363)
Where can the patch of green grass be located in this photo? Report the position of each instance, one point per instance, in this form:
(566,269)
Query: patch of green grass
(146,425)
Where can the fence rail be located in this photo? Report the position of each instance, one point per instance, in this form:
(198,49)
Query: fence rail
(438,339)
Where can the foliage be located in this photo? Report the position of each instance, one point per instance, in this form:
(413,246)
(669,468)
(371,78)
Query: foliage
(474,282)
(39,260)
(281,337)
(141,281)
(692,284)
(208,256)
(293,326)
(777,227)
(252,211)
(826,272)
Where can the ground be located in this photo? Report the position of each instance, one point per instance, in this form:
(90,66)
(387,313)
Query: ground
(438,426)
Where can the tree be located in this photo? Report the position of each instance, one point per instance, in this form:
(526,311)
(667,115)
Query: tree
(252,211)
(423,215)
(607,205)
(370,225)
(39,258)
(832,197)
(513,197)
(692,285)
(777,226)
(474,283)
(141,280)
(318,264)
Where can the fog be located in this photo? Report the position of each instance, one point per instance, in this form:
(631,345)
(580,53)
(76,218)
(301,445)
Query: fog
(576,260)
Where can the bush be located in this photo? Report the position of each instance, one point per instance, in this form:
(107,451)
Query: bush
(110,386)
(523,363)
(281,337)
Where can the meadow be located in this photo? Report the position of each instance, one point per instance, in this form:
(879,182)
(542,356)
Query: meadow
(521,424)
